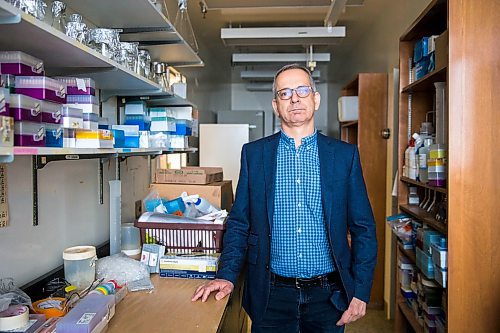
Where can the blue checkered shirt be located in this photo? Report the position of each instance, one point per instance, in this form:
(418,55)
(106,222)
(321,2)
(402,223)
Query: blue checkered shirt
(299,244)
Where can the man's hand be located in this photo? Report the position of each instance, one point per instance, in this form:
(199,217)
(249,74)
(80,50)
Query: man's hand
(356,310)
(223,286)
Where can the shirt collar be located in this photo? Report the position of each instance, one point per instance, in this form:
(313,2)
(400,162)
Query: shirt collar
(306,142)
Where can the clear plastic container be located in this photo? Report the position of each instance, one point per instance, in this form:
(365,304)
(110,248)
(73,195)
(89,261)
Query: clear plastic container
(51,112)
(159,140)
(81,99)
(72,117)
(90,121)
(79,266)
(41,87)
(94,139)
(103,123)
(135,108)
(160,112)
(178,141)
(140,120)
(86,108)
(27,133)
(5,96)
(78,86)
(69,137)
(54,135)
(144,139)
(6,131)
(25,108)
(8,81)
(130,130)
(131,239)
(20,63)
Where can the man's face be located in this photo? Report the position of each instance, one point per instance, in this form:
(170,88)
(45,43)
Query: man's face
(296,111)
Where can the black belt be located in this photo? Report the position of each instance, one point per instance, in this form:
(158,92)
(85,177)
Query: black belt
(315,281)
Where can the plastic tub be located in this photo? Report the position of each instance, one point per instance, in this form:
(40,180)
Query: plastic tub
(72,117)
(5,96)
(119,138)
(41,87)
(131,239)
(20,63)
(183,127)
(163,124)
(90,121)
(79,265)
(8,81)
(25,108)
(78,86)
(29,134)
(51,112)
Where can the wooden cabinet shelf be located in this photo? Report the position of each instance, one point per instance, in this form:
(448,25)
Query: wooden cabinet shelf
(426,83)
(410,317)
(349,124)
(425,217)
(417,183)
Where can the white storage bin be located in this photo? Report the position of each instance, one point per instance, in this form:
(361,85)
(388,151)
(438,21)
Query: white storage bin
(348,108)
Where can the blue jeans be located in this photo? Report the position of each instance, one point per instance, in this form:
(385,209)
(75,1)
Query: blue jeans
(304,310)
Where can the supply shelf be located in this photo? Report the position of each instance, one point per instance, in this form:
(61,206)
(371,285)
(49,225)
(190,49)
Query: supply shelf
(417,183)
(161,99)
(63,55)
(141,22)
(425,217)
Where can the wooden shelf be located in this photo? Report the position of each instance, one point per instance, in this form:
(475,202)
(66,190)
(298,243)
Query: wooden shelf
(426,83)
(431,21)
(417,183)
(425,217)
(349,124)
(410,317)
(410,254)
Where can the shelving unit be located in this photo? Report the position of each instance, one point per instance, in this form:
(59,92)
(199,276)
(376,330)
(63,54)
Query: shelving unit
(416,99)
(371,89)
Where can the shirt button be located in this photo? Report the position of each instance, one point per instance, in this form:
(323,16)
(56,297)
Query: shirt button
(267,267)
(299,230)
(269,235)
(298,180)
(300,255)
(299,205)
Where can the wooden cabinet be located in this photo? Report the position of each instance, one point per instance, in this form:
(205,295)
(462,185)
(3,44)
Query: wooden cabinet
(472,74)
(371,89)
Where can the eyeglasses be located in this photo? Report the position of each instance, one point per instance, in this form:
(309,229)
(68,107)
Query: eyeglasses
(287,93)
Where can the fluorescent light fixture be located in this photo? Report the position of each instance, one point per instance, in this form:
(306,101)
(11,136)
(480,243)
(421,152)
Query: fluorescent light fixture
(262,75)
(248,58)
(261,86)
(282,35)
(220,4)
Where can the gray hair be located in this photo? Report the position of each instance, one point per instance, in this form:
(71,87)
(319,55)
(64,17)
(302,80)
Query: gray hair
(293,66)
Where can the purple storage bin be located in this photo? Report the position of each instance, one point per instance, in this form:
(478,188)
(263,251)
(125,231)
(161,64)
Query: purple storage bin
(29,134)
(19,63)
(89,314)
(78,86)
(41,87)
(437,182)
(51,112)
(25,108)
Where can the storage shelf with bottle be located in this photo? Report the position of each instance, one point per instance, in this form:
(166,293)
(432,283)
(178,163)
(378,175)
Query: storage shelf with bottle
(421,295)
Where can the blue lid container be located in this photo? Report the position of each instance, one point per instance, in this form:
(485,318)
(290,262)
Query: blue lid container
(119,138)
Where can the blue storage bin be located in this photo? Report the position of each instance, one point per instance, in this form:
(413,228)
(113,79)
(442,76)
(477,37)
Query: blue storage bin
(424,262)
(139,120)
(131,141)
(421,49)
(54,135)
(183,127)
(119,138)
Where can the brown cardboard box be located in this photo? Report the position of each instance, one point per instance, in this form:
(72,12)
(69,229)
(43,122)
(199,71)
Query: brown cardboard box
(189,175)
(219,194)
(441,52)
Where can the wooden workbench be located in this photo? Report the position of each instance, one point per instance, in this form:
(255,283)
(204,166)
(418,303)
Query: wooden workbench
(168,308)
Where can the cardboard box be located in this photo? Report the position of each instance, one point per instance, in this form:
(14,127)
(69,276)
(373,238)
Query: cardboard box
(219,194)
(189,175)
(441,52)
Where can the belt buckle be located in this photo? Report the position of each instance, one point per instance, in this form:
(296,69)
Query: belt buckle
(297,283)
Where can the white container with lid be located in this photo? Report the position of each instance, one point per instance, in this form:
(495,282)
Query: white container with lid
(79,266)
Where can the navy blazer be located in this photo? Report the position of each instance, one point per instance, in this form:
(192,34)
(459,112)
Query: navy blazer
(346,208)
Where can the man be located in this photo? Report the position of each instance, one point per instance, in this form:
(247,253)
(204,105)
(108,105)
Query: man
(299,194)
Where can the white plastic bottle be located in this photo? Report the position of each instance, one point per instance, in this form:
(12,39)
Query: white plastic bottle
(204,206)
(423,156)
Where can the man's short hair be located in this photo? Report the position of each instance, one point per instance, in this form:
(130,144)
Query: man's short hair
(293,66)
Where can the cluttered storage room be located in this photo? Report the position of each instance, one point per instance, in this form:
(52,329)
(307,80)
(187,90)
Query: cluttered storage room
(242,166)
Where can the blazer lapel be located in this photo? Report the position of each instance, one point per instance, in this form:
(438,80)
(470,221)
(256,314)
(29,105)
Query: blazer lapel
(326,159)
(270,155)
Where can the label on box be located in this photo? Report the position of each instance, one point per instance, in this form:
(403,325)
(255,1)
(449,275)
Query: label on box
(86,318)
(80,84)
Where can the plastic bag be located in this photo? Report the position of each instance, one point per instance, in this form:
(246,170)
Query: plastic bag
(122,269)
(401,226)
(12,295)
(154,203)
